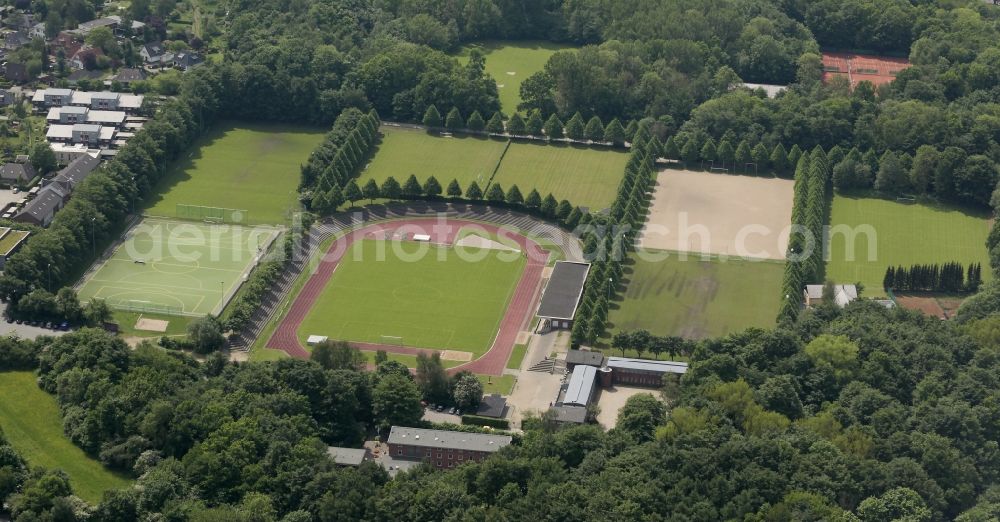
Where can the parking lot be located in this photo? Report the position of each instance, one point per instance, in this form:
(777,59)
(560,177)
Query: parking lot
(24,331)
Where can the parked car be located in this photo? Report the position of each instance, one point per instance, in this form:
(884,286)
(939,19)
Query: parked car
(439,408)
(64,326)
(451,411)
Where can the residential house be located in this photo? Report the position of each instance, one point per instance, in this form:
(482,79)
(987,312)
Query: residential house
(86,27)
(128,75)
(10,242)
(83,74)
(443,449)
(37,31)
(43,208)
(16,72)
(71,175)
(16,40)
(7,97)
(186,60)
(67,152)
(16,173)
(842,294)
(55,97)
(152,53)
(85,58)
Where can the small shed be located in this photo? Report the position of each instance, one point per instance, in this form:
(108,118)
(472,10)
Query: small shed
(493,406)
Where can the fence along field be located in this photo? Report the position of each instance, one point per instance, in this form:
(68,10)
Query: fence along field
(585,176)
(177,268)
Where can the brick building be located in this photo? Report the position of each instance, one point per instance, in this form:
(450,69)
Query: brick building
(443,449)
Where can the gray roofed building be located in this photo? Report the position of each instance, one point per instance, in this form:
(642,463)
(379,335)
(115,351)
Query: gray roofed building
(580,389)
(647,365)
(130,75)
(71,176)
(13,173)
(457,440)
(492,406)
(187,59)
(347,456)
(842,294)
(570,414)
(584,357)
(562,293)
(40,211)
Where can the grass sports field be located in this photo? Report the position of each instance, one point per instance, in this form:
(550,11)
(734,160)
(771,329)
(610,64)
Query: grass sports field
(187,267)
(31,422)
(585,176)
(510,63)
(437,300)
(243,166)
(404,151)
(698,299)
(904,234)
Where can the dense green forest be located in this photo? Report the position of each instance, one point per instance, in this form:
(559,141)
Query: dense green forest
(857,414)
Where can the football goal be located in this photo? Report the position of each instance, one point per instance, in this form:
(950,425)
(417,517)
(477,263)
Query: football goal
(145,307)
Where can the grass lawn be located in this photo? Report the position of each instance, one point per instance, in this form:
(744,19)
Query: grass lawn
(503,384)
(261,354)
(520,58)
(244,166)
(585,176)
(406,151)
(31,422)
(697,299)
(517,356)
(903,235)
(435,300)
(409,360)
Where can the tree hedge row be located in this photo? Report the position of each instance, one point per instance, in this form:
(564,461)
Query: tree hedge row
(535,125)
(246,303)
(340,158)
(607,240)
(810,207)
(728,154)
(949,277)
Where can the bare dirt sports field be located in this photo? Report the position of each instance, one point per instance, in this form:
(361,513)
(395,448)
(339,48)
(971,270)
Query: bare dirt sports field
(722,214)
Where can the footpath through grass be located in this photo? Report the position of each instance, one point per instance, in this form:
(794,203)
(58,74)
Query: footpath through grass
(888,233)
(244,166)
(698,299)
(435,299)
(510,63)
(31,422)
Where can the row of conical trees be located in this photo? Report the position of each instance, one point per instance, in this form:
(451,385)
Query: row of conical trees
(949,277)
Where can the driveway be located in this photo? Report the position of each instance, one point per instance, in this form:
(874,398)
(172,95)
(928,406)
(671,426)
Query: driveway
(612,399)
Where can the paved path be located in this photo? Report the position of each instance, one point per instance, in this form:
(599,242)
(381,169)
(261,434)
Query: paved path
(383,221)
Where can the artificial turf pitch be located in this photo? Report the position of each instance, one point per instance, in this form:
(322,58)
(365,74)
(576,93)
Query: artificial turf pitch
(585,176)
(904,234)
(252,167)
(31,422)
(504,58)
(696,299)
(439,300)
(186,267)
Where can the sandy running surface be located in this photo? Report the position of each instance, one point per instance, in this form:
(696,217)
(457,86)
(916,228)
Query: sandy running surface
(454,355)
(723,214)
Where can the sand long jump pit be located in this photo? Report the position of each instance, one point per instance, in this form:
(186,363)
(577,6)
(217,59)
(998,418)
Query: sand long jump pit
(720,214)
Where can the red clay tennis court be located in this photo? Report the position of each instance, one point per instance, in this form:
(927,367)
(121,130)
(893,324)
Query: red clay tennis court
(862,67)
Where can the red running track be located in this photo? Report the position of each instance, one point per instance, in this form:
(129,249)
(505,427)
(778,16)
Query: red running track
(441,231)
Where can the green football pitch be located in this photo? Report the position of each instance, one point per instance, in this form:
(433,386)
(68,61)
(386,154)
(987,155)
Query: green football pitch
(439,300)
(177,267)
(510,63)
(31,422)
(694,298)
(887,233)
(585,176)
(252,167)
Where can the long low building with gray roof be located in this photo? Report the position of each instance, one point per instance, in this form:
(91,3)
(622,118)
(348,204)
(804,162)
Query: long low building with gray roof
(443,449)
(562,293)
